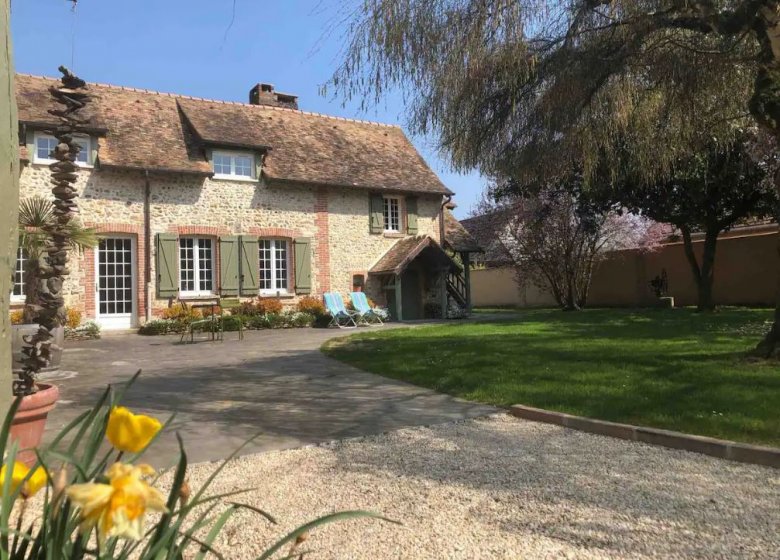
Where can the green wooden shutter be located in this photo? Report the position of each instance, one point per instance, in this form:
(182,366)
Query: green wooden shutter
(250,266)
(302,265)
(228,266)
(411,215)
(376,214)
(167,264)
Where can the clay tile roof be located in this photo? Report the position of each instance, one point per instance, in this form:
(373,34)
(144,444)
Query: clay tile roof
(149,130)
(142,130)
(456,237)
(398,257)
(311,148)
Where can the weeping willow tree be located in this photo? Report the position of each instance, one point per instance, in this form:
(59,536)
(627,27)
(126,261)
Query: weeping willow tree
(530,88)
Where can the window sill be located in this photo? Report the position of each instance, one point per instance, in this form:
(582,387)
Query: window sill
(276,295)
(48,162)
(394,234)
(196,296)
(236,178)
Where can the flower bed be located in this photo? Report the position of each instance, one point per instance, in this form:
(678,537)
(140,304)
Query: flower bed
(262,313)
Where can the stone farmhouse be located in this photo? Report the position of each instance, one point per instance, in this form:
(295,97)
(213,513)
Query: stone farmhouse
(194,198)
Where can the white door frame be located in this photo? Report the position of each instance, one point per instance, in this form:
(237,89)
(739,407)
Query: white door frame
(124,320)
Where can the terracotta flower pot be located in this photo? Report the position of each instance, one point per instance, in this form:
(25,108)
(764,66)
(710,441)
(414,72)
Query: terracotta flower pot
(30,420)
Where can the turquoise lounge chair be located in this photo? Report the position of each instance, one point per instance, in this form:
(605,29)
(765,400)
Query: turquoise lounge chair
(366,313)
(339,315)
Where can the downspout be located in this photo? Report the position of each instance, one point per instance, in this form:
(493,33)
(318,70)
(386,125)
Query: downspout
(147,247)
(447,200)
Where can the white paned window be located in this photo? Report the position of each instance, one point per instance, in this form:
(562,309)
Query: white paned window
(233,165)
(274,269)
(17,294)
(45,144)
(196,265)
(392,214)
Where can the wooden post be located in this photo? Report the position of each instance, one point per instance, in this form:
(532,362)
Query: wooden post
(398,305)
(466,259)
(443,292)
(9,194)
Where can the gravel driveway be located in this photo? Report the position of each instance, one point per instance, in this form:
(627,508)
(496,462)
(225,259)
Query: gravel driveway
(500,487)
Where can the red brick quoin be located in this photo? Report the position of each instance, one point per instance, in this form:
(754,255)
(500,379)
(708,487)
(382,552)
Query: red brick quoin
(321,248)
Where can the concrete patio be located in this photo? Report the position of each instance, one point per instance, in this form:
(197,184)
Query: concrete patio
(275,382)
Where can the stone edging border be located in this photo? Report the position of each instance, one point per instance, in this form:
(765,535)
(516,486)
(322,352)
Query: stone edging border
(720,448)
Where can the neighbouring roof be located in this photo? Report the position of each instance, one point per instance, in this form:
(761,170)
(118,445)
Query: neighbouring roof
(456,237)
(484,229)
(140,129)
(400,255)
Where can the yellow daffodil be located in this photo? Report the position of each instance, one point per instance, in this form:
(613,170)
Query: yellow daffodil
(117,509)
(130,432)
(37,480)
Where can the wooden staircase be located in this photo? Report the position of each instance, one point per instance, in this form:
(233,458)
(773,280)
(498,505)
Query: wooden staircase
(456,288)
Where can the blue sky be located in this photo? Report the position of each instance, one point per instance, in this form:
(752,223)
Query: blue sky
(190,47)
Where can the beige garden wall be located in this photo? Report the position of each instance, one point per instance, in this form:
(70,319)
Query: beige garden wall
(746,269)
(498,287)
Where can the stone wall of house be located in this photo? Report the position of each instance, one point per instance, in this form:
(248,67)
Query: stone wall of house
(354,250)
(336,220)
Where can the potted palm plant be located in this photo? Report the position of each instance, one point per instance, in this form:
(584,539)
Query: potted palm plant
(36,214)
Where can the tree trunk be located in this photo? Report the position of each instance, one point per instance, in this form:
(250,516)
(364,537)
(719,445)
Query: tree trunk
(770,344)
(9,191)
(707,271)
(31,275)
(764,107)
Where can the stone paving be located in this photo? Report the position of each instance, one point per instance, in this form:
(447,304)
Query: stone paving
(276,383)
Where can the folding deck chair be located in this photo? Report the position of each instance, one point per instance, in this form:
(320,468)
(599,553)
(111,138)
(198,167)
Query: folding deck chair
(339,315)
(367,314)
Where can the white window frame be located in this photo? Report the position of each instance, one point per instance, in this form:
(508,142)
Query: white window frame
(274,276)
(47,161)
(196,266)
(232,175)
(387,202)
(19,260)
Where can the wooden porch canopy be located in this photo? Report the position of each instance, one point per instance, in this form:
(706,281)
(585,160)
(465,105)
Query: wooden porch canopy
(407,250)
(405,299)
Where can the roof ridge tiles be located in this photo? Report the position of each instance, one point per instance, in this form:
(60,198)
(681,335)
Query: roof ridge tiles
(222,101)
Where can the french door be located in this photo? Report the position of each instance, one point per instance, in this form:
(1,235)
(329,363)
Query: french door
(115,286)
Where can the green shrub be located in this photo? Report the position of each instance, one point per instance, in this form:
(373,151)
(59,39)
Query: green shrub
(257,322)
(232,322)
(163,326)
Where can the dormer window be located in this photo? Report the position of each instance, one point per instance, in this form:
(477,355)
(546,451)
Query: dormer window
(45,144)
(233,165)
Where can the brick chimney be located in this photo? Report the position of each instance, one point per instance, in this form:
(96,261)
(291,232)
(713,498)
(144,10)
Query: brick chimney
(264,94)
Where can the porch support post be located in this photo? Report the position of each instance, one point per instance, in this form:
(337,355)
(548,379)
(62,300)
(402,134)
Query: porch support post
(466,259)
(398,304)
(443,292)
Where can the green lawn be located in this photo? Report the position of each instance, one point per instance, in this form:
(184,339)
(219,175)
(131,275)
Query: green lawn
(672,369)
